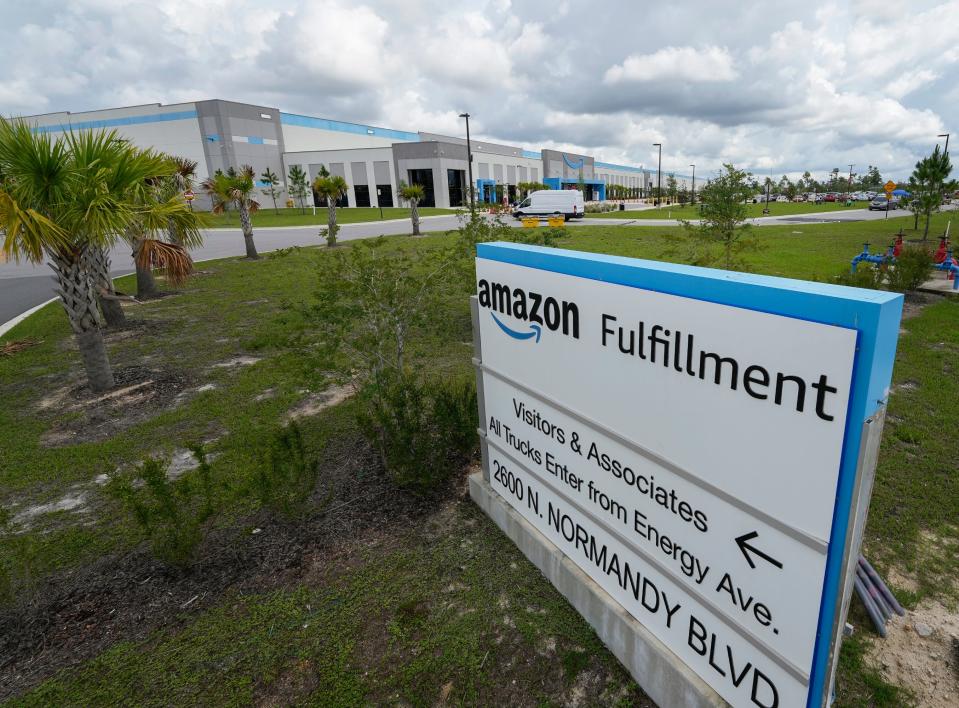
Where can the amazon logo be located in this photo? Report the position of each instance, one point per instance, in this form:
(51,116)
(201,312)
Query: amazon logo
(534,310)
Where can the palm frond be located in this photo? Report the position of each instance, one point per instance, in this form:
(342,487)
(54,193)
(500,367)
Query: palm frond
(172,260)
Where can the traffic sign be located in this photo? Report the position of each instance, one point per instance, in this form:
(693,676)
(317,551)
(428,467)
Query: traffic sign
(694,455)
(189,195)
(889,186)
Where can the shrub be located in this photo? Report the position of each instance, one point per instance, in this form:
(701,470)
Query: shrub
(537,237)
(170,513)
(329,233)
(867,275)
(422,432)
(287,477)
(600,208)
(913,268)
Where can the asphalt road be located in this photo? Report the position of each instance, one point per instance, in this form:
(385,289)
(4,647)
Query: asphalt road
(25,285)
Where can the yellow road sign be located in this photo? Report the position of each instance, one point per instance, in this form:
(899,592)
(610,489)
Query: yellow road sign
(889,186)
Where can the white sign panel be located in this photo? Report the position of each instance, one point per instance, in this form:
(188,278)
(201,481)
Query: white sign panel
(687,454)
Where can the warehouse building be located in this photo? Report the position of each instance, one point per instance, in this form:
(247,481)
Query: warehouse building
(374,161)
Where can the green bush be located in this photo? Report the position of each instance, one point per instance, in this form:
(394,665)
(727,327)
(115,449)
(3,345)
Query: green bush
(422,431)
(913,268)
(170,513)
(287,477)
(867,275)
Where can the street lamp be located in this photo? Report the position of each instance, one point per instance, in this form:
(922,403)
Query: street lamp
(692,198)
(946,136)
(469,160)
(849,184)
(659,174)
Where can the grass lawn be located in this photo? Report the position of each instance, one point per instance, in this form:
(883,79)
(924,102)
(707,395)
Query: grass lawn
(293,217)
(375,597)
(755,210)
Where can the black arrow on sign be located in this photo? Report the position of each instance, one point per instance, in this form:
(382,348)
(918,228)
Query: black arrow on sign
(744,545)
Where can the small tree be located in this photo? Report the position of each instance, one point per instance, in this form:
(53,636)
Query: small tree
(722,233)
(672,188)
(272,182)
(928,180)
(332,188)
(299,185)
(413,193)
(232,187)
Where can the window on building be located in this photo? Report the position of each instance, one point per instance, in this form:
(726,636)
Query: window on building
(362,194)
(456,181)
(424,178)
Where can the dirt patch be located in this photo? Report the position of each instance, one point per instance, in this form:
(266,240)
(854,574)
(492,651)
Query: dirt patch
(75,501)
(906,386)
(140,394)
(915,302)
(237,362)
(920,653)
(316,402)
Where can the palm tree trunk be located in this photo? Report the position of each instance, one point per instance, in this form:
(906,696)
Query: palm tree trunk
(330,222)
(146,284)
(247,226)
(415,217)
(76,291)
(174,235)
(925,233)
(103,283)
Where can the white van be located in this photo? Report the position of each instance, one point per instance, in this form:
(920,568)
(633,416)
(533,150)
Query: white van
(552,202)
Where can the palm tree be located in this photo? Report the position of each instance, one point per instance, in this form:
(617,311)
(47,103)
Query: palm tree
(929,178)
(235,187)
(149,251)
(68,199)
(271,180)
(332,188)
(413,193)
(182,231)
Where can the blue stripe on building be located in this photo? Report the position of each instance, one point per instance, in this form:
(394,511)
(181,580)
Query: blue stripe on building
(116,122)
(342,127)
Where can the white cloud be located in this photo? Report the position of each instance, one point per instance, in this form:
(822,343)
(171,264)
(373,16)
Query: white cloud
(795,87)
(675,64)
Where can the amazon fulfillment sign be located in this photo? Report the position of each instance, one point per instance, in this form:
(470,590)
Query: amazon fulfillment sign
(691,439)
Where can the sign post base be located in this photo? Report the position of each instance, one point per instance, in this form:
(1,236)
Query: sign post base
(659,672)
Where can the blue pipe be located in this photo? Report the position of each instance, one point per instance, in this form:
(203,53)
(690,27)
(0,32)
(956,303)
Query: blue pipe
(872,258)
(948,266)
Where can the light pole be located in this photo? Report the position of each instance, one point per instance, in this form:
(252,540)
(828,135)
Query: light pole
(469,161)
(692,196)
(849,184)
(659,174)
(946,136)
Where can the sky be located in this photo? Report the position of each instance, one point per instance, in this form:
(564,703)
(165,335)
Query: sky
(775,88)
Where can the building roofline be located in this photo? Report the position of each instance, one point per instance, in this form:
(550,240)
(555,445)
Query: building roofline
(343,126)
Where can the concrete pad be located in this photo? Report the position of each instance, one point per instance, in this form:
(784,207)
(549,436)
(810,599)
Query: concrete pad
(939,285)
(659,672)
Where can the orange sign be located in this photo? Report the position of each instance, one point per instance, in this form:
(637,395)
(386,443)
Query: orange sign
(889,186)
(189,195)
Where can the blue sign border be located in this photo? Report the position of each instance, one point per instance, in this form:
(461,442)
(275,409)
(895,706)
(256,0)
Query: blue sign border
(874,314)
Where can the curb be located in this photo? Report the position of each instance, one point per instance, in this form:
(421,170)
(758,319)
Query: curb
(10,324)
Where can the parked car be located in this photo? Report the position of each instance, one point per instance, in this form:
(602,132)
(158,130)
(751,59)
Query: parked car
(799,198)
(830,197)
(883,204)
(552,202)
(782,198)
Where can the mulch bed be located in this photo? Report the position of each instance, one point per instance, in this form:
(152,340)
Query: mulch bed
(76,615)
